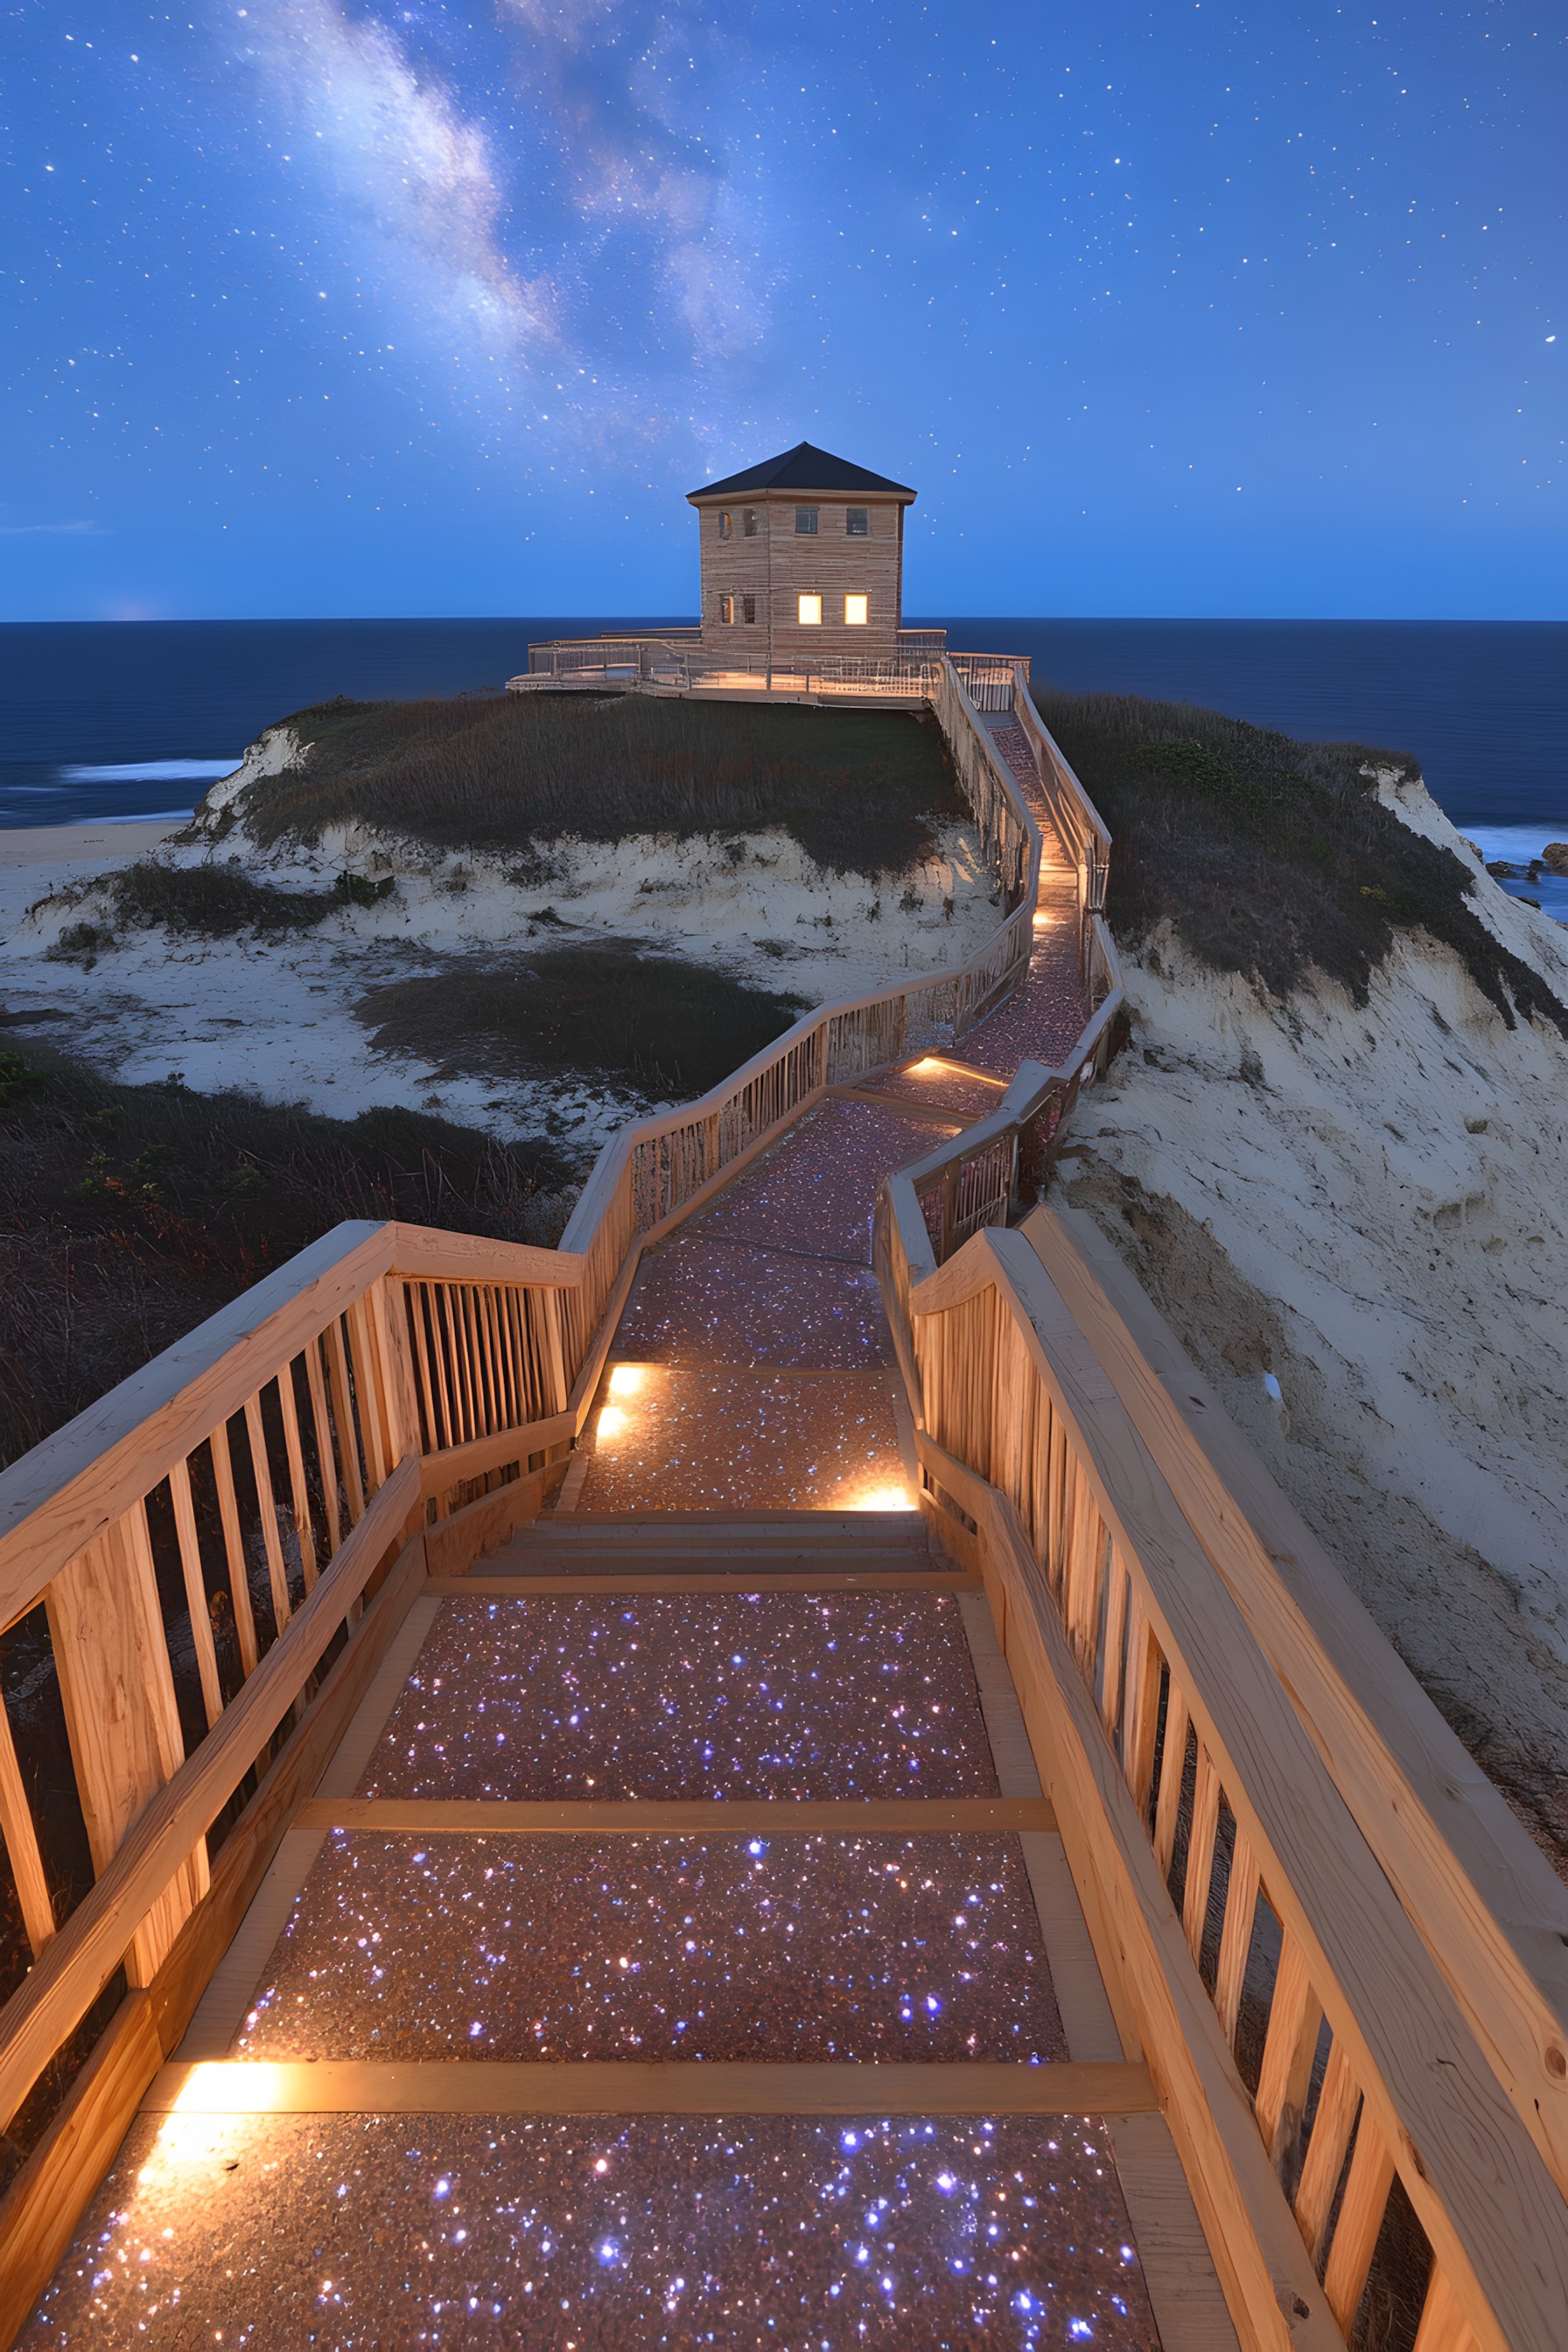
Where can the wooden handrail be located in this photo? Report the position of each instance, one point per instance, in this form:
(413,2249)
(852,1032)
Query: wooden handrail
(1012,1396)
(1492,1911)
(65,1980)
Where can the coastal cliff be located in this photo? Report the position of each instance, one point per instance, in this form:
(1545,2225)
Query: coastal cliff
(1346,1195)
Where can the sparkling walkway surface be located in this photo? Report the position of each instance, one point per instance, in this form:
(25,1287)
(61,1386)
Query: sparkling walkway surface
(792,1947)
(761,2235)
(671,1695)
(751,1374)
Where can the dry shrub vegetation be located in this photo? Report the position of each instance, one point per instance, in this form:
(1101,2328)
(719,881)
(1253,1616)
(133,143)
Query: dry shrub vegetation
(857,788)
(129,1213)
(1268,857)
(673,1028)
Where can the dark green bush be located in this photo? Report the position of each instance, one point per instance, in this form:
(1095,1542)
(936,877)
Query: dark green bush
(1269,857)
(857,788)
(129,1213)
(674,1028)
(209,902)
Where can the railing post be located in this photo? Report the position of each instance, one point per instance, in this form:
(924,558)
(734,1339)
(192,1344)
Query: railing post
(555,1353)
(389,1329)
(121,1716)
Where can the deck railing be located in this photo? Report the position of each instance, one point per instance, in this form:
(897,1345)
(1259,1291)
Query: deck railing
(1000,1164)
(687,667)
(1343,1967)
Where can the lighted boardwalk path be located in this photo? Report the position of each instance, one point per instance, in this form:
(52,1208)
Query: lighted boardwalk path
(678,1950)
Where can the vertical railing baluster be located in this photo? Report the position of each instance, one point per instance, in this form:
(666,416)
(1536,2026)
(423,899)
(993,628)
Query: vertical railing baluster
(1242,1890)
(298,1484)
(234,1550)
(1332,2129)
(1173,1771)
(1200,1851)
(22,1845)
(1361,2214)
(326,1459)
(343,1415)
(1295,2018)
(266,1512)
(188,1545)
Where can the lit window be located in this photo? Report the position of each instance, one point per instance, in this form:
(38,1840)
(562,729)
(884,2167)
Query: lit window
(806,521)
(858,522)
(748,608)
(810,612)
(750,525)
(723,524)
(855,612)
(727,610)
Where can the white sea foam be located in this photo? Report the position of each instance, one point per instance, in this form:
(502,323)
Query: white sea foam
(1515,843)
(147,817)
(151,772)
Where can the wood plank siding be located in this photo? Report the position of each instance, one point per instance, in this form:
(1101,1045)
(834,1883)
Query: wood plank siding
(760,557)
(775,565)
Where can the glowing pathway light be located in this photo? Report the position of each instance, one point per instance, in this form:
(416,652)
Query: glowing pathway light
(884,1498)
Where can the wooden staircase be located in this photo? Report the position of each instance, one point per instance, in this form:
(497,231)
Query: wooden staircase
(811,1547)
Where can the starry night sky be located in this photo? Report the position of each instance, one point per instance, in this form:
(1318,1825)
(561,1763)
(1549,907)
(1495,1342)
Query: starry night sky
(340,307)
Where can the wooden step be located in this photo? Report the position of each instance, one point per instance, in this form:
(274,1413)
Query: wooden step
(521,1582)
(739,1548)
(632,2086)
(903,1527)
(680,1816)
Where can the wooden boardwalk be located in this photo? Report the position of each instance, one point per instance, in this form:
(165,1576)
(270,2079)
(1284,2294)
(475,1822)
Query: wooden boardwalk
(772,1776)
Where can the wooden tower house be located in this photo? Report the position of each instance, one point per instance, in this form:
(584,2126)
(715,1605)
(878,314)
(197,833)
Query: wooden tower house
(802,556)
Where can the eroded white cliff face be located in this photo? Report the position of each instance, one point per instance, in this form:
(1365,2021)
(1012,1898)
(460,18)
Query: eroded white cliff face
(274,1012)
(1368,1206)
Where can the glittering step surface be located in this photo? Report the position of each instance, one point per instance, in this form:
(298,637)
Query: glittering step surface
(1044,1017)
(910,2234)
(632,2087)
(818,1947)
(815,1191)
(764,1816)
(721,1440)
(941,1086)
(765,1696)
(703,1298)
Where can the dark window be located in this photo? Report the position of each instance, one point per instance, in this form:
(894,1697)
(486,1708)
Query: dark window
(750,525)
(748,608)
(806,521)
(858,522)
(724,525)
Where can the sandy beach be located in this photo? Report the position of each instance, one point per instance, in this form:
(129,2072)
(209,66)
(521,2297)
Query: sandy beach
(73,847)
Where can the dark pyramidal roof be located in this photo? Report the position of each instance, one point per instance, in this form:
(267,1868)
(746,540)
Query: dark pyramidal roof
(801,468)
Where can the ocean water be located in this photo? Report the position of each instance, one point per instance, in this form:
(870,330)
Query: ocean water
(121,720)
